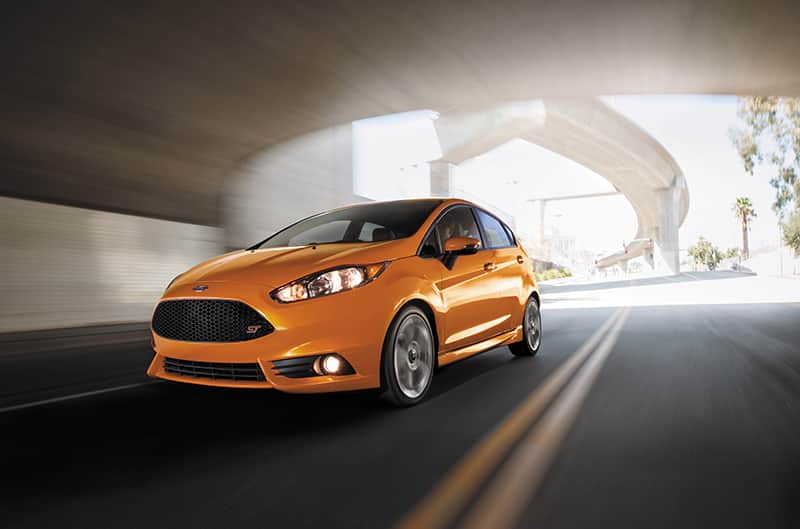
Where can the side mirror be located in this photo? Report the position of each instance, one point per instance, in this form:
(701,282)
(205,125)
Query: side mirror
(461,245)
(456,246)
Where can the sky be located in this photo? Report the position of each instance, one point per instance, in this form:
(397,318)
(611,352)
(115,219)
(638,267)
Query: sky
(694,129)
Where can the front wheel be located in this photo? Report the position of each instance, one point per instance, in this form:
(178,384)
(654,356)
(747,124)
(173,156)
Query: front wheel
(531,331)
(409,357)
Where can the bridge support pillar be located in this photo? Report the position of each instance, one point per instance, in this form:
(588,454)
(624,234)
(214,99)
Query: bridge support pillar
(666,257)
(442,178)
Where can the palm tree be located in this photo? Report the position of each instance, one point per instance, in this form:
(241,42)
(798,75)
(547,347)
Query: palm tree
(743,210)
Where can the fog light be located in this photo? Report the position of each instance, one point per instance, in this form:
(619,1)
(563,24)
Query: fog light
(331,364)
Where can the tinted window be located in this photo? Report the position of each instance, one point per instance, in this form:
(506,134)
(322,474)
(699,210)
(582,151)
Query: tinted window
(496,234)
(368,232)
(377,221)
(510,235)
(458,222)
(430,246)
(331,231)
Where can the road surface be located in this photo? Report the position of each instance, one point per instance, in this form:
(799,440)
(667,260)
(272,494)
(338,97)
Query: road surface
(671,402)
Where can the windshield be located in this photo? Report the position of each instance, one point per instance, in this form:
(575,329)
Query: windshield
(380,221)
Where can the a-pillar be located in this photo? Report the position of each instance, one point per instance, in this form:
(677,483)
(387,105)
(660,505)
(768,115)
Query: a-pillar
(442,178)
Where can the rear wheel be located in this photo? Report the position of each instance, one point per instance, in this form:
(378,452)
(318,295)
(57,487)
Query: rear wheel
(531,331)
(409,357)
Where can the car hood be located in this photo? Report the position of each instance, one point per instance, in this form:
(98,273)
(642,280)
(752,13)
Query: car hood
(274,267)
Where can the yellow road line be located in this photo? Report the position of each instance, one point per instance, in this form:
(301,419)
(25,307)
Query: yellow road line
(515,485)
(451,494)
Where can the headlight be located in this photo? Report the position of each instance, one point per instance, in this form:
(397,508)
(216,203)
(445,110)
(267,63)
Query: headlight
(328,282)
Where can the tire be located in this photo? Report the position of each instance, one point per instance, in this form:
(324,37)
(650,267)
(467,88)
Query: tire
(531,321)
(408,358)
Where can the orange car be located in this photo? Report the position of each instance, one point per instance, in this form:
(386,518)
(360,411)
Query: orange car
(374,295)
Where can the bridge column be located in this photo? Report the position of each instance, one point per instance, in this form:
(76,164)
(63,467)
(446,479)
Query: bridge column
(442,178)
(665,237)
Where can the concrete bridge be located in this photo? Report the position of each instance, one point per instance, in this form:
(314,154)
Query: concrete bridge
(594,135)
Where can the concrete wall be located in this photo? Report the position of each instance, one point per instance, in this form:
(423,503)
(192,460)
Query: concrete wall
(64,266)
(286,182)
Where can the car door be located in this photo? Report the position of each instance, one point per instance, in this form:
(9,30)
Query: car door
(472,312)
(506,278)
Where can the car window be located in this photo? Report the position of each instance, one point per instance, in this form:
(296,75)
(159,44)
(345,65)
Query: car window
(510,234)
(458,222)
(331,231)
(496,235)
(370,222)
(430,246)
(371,232)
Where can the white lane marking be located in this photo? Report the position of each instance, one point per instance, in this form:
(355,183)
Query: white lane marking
(74,396)
(518,479)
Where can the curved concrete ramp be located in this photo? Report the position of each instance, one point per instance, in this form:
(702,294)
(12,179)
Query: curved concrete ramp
(594,135)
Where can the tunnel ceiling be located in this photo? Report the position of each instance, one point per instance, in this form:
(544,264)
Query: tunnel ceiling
(146,109)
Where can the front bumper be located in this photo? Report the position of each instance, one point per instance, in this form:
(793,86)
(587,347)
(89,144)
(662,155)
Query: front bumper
(351,324)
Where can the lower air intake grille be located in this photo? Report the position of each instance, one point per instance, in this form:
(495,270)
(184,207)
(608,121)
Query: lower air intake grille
(214,370)
(301,367)
(208,320)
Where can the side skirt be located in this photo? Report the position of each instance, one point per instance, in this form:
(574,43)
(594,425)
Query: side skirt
(471,350)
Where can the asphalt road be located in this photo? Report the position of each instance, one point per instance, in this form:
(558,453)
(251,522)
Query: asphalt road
(693,420)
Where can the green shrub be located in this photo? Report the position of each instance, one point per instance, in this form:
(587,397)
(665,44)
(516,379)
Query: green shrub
(553,273)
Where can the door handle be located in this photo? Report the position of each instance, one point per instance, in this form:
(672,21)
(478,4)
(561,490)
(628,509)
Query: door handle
(489,267)
(520,259)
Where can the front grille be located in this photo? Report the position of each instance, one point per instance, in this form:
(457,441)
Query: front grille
(208,320)
(214,370)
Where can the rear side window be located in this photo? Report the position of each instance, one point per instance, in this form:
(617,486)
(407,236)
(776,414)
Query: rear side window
(496,234)
(510,234)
